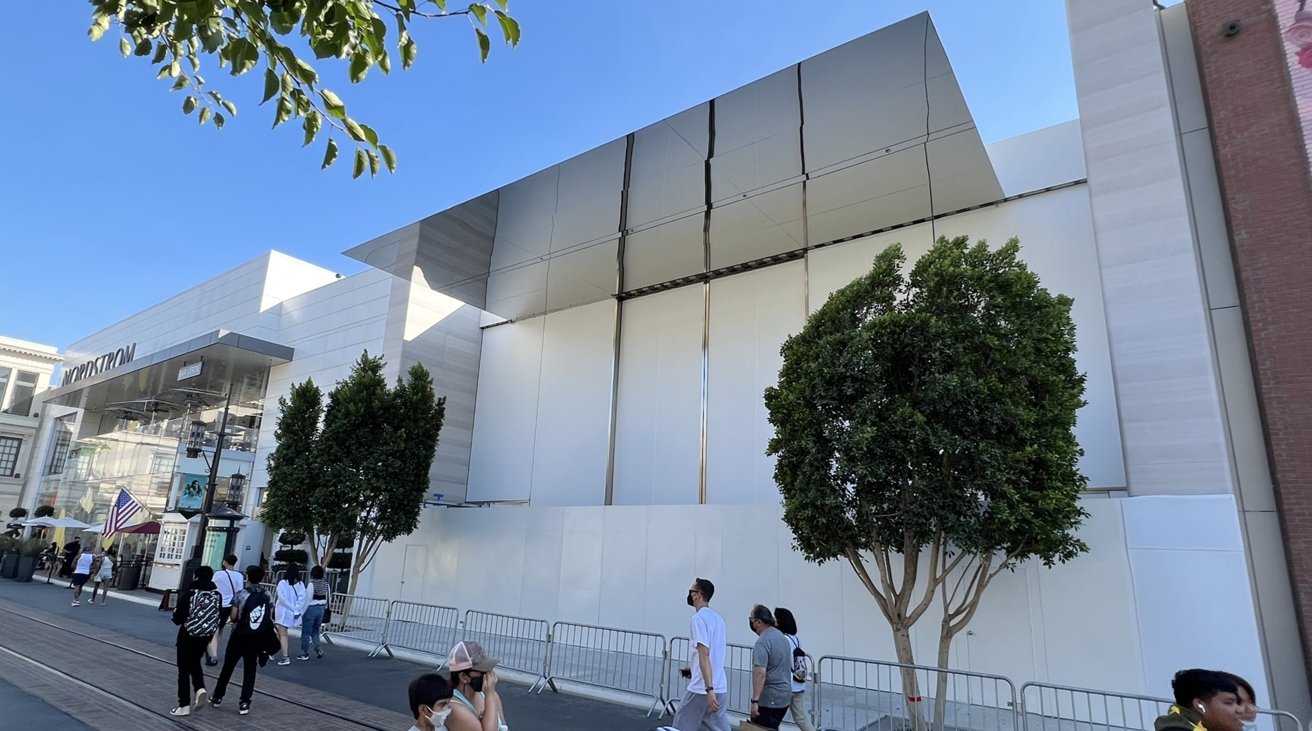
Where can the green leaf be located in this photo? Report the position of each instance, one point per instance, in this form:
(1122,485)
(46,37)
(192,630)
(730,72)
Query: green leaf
(143,48)
(385,63)
(389,157)
(505,4)
(180,84)
(359,66)
(218,121)
(313,122)
(379,30)
(373,163)
(160,51)
(175,68)
(124,47)
(369,134)
(408,52)
(229,106)
(163,72)
(270,84)
(284,112)
(360,162)
(484,44)
(305,73)
(189,105)
(354,129)
(509,28)
(333,104)
(330,154)
(243,54)
(204,115)
(480,11)
(99,24)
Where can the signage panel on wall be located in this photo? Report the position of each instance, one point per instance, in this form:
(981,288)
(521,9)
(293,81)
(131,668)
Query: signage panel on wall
(191,370)
(189,494)
(114,359)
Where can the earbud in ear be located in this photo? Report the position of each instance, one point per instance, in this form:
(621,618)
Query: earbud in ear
(1202,708)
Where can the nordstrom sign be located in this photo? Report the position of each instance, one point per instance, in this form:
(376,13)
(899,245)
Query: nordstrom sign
(103,363)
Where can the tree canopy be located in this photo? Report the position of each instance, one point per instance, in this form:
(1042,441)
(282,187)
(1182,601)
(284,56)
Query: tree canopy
(367,474)
(932,413)
(243,34)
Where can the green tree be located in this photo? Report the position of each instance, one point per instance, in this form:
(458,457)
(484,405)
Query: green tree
(375,452)
(243,34)
(930,418)
(293,468)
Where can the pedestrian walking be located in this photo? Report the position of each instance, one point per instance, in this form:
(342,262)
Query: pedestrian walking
(72,550)
(1247,702)
(772,669)
(230,581)
(707,698)
(251,641)
(103,576)
(290,604)
(787,624)
(317,594)
(82,572)
(430,702)
(476,704)
(197,617)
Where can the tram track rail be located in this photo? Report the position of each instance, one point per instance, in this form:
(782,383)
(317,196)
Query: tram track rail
(150,710)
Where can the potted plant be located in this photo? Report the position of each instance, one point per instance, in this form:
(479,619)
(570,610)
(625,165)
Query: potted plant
(28,554)
(9,562)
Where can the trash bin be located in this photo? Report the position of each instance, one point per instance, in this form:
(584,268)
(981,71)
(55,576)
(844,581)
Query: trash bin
(129,576)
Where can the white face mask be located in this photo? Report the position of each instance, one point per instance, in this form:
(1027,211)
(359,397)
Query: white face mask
(438,718)
(1250,725)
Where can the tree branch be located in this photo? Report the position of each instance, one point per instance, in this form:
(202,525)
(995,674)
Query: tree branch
(420,13)
(859,566)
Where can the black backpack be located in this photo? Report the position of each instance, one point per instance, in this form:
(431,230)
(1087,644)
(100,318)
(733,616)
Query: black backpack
(203,616)
(256,613)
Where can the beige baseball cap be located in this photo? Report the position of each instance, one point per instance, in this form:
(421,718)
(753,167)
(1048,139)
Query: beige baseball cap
(470,656)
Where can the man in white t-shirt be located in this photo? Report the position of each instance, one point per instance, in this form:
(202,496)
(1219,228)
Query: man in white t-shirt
(229,581)
(82,572)
(705,702)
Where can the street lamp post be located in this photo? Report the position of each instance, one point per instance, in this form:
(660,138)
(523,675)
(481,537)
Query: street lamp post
(195,448)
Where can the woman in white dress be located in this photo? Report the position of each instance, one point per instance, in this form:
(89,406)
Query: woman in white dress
(103,576)
(288,606)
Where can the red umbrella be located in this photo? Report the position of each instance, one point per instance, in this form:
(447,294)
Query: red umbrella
(149,527)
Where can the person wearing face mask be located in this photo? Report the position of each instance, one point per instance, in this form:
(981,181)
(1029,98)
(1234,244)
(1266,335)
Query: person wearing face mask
(705,703)
(1205,700)
(1247,702)
(476,704)
(430,702)
(772,669)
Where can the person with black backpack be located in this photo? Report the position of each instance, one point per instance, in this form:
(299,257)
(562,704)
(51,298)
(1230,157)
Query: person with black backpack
(251,640)
(197,617)
(787,624)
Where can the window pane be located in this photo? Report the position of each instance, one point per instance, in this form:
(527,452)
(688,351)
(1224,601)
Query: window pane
(9,455)
(59,451)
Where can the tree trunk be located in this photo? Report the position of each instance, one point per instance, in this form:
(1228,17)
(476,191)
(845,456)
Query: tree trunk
(910,682)
(941,686)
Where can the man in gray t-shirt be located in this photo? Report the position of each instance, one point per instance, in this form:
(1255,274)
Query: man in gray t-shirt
(772,670)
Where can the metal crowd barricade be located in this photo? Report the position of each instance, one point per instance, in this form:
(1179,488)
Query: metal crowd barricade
(519,643)
(737,670)
(605,657)
(426,628)
(853,694)
(1048,707)
(360,618)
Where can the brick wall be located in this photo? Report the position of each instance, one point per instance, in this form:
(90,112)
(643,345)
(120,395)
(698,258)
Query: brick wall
(1267,193)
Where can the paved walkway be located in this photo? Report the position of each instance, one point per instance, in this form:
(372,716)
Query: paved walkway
(111,667)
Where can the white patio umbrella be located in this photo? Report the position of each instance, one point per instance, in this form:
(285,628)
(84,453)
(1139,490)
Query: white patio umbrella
(98,528)
(61,523)
(46,522)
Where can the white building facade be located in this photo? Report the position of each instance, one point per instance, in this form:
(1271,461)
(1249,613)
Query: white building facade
(603,331)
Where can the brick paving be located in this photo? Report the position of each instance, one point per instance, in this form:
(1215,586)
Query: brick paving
(150,683)
(371,690)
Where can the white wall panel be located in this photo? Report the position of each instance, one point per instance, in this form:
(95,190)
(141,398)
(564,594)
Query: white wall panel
(834,267)
(505,420)
(750,315)
(658,420)
(573,416)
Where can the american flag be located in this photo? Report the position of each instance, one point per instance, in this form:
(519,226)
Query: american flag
(121,512)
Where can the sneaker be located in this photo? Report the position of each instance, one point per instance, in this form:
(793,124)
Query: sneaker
(285,661)
(102,602)
(216,702)
(201,696)
(77,603)
(181,711)
(212,662)
(244,707)
(304,656)
(318,653)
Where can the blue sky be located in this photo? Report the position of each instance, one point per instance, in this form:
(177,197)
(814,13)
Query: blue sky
(113,200)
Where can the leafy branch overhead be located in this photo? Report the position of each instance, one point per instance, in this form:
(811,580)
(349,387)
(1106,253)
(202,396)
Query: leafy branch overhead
(244,34)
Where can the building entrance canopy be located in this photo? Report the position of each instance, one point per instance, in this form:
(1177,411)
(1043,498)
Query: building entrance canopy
(163,383)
